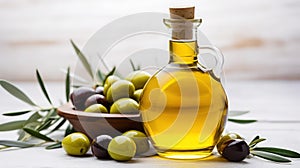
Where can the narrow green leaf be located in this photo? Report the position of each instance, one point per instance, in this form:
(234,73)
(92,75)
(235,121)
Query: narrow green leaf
(68,85)
(132,65)
(33,125)
(33,118)
(54,146)
(54,118)
(14,125)
(46,109)
(278,151)
(103,62)
(255,142)
(83,60)
(255,138)
(44,125)
(77,86)
(22,135)
(76,77)
(42,85)
(240,121)
(233,113)
(69,130)
(50,114)
(269,156)
(109,73)
(58,126)
(16,113)
(37,134)
(13,90)
(16,144)
(100,75)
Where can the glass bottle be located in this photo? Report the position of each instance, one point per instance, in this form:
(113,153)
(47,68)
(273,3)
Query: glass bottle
(183,105)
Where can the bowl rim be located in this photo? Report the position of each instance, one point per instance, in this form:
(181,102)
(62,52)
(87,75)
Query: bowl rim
(67,110)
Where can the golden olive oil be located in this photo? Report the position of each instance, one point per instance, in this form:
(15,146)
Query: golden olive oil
(183,108)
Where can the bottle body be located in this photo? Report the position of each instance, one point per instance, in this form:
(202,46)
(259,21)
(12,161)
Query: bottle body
(183,108)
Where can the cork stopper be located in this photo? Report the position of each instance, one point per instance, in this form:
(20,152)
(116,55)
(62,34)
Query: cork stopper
(182,13)
(182,29)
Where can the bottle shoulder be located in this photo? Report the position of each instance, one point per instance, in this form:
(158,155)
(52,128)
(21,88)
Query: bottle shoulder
(179,71)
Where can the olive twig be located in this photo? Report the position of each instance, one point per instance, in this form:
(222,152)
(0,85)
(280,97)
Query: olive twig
(233,148)
(36,122)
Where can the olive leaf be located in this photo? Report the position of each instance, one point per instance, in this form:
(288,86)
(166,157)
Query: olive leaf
(54,146)
(37,134)
(241,121)
(22,135)
(51,113)
(255,138)
(109,74)
(16,113)
(34,117)
(76,77)
(100,75)
(83,60)
(13,90)
(278,151)
(16,144)
(58,125)
(42,85)
(14,125)
(68,85)
(269,156)
(256,141)
(46,109)
(103,62)
(132,65)
(44,125)
(69,130)
(233,113)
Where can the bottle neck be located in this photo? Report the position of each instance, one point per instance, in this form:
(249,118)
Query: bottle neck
(183,46)
(183,52)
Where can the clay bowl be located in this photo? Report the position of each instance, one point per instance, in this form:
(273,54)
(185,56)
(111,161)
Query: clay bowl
(95,124)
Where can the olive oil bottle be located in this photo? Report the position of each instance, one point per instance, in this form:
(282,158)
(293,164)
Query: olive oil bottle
(183,107)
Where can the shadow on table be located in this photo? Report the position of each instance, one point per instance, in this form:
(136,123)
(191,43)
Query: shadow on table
(213,158)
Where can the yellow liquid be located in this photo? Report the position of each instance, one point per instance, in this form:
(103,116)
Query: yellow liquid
(183,109)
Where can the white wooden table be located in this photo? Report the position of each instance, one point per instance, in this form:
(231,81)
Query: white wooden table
(276,104)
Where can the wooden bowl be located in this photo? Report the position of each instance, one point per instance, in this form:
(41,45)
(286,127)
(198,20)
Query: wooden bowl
(95,124)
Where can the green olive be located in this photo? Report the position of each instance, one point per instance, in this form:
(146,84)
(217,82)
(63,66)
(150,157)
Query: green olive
(96,108)
(137,94)
(120,89)
(122,148)
(138,78)
(140,139)
(226,138)
(108,82)
(125,106)
(76,144)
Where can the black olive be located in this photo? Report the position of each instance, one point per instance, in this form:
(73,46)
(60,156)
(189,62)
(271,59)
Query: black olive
(235,150)
(100,90)
(79,96)
(96,99)
(100,145)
